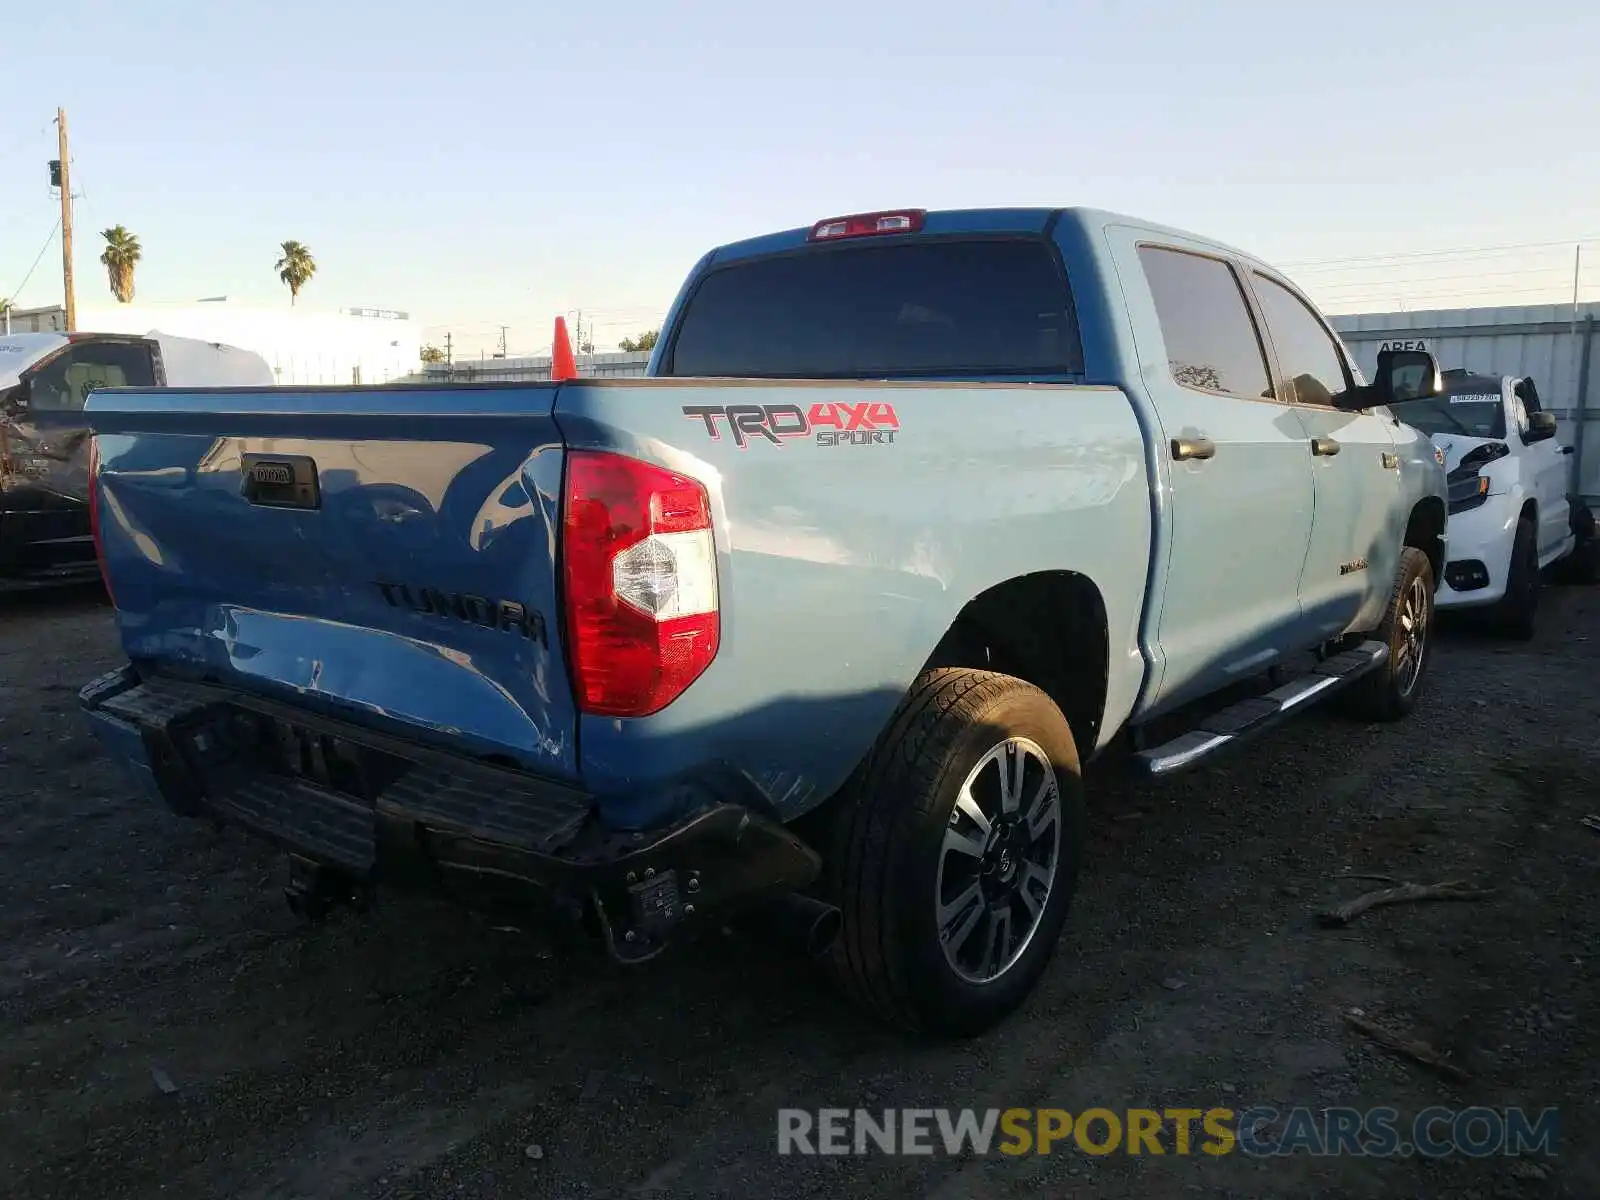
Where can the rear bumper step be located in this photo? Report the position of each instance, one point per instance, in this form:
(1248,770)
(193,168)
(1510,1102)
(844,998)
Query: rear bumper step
(382,810)
(1239,722)
(60,575)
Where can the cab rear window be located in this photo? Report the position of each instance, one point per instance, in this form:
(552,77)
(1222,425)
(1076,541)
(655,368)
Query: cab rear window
(992,307)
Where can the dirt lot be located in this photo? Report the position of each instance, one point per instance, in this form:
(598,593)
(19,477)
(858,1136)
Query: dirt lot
(170,1030)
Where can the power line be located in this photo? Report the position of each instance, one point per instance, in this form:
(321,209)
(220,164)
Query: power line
(1402,282)
(1379,291)
(496,322)
(1459,260)
(1464,251)
(16,150)
(631,317)
(622,314)
(1462,260)
(37,260)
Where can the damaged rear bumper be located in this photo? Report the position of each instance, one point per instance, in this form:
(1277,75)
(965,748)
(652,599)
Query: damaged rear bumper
(377,809)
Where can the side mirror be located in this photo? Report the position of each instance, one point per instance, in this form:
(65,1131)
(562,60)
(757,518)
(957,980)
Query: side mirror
(1405,376)
(1541,427)
(15,402)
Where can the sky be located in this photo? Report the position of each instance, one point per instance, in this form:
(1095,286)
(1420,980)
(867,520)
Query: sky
(488,165)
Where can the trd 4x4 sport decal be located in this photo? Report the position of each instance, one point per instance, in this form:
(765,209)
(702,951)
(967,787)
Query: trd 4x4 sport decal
(831,424)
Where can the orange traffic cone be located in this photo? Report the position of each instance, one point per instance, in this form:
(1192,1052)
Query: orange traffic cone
(562,365)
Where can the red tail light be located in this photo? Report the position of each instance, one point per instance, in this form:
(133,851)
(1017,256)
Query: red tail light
(900,220)
(94,515)
(640,578)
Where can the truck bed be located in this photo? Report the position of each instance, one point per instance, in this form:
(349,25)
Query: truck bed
(407,578)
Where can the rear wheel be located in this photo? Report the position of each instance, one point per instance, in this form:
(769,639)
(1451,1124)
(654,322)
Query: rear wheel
(1389,692)
(1515,615)
(1582,566)
(956,854)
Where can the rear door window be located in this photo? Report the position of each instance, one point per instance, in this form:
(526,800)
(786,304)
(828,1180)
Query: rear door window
(1211,339)
(989,307)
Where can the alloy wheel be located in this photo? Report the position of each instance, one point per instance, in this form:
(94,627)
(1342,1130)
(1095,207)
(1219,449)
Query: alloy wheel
(998,861)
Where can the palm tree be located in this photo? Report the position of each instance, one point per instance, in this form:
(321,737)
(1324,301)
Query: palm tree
(121,255)
(296,267)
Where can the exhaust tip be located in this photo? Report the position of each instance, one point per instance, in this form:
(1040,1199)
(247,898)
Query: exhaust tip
(824,932)
(803,924)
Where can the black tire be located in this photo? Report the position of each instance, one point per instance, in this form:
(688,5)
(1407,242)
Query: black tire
(890,840)
(1582,566)
(1391,691)
(1515,616)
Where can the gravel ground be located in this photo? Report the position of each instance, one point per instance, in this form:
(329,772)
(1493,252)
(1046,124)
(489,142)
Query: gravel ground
(170,1030)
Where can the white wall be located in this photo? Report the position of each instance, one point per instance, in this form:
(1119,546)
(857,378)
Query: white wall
(302,346)
(1542,340)
(533,370)
(1545,341)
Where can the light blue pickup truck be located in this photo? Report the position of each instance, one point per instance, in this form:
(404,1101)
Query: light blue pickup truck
(812,629)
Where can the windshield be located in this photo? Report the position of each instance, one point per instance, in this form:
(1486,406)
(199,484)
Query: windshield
(1466,409)
(924,308)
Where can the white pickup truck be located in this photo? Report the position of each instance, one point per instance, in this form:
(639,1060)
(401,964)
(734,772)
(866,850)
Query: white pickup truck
(44,466)
(1513,509)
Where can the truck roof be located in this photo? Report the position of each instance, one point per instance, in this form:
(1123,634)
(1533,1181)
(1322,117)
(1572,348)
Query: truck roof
(19,351)
(191,361)
(975,220)
(30,345)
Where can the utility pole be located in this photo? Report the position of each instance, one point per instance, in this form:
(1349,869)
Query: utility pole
(1577,272)
(503,329)
(1577,352)
(66,219)
(447,359)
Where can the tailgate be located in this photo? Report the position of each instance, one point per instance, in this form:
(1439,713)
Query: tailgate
(389,551)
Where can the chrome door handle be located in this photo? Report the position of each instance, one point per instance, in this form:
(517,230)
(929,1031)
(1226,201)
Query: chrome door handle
(1195,447)
(1324,447)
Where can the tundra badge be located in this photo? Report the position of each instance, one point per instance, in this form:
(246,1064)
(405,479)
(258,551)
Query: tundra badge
(486,611)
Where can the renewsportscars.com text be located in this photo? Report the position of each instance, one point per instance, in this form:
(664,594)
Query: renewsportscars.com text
(1260,1131)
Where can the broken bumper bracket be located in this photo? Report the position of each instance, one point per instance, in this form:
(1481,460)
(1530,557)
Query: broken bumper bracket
(384,810)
